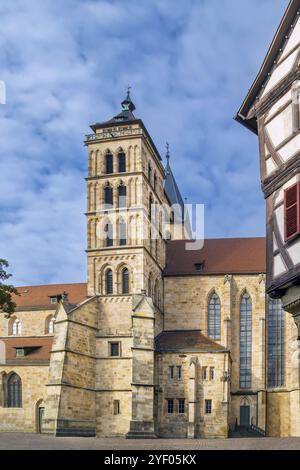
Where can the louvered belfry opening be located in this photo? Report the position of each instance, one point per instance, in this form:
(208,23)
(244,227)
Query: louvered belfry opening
(292,211)
(125,281)
(109,282)
(108,197)
(121,162)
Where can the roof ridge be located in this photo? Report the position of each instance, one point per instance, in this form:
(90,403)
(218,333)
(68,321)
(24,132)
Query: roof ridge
(53,285)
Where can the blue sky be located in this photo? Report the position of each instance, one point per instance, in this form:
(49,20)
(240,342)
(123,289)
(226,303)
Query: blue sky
(67,65)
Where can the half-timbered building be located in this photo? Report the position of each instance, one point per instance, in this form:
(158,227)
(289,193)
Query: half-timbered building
(271,109)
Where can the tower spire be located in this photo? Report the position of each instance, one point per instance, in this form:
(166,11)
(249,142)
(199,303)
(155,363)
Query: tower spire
(127,104)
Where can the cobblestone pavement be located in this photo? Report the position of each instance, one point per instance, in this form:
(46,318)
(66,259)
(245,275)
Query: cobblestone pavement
(18,441)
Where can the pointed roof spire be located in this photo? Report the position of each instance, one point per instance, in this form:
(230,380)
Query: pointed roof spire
(168,151)
(170,184)
(127,104)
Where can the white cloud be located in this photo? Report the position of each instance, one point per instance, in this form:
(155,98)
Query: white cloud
(67,64)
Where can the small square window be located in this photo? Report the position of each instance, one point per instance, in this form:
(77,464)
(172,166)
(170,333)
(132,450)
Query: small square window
(116,407)
(181,406)
(208,407)
(53,300)
(114,349)
(170,406)
(20,352)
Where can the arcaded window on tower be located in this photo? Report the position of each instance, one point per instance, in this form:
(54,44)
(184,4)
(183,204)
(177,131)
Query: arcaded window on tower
(125,281)
(246,342)
(109,282)
(109,163)
(276,343)
(121,162)
(109,234)
(14,392)
(122,196)
(122,233)
(214,317)
(108,197)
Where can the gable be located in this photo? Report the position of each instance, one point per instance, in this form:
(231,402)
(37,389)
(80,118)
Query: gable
(279,62)
(286,61)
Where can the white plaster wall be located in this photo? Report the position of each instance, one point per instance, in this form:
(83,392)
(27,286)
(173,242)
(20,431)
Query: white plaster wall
(282,102)
(281,127)
(291,148)
(271,166)
(279,267)
(280,72)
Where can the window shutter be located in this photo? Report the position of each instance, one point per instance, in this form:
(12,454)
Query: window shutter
(292,211)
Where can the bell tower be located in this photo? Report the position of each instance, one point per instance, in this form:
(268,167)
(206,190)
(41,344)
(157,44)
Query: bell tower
(125,185)
(126,257)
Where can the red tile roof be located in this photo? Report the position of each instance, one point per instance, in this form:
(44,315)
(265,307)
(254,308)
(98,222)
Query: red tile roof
(41,348)
(222,256)
(38,296)
(186,341)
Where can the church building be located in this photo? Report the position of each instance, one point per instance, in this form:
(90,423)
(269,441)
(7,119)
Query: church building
(162,340)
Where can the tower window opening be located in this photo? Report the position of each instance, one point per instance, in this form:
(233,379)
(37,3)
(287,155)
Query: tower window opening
(122,162)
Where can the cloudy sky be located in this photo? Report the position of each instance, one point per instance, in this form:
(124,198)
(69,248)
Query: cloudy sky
(67,64)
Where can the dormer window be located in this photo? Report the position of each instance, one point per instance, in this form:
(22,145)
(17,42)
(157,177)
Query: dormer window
(64,296)
(55,299)
(122,196)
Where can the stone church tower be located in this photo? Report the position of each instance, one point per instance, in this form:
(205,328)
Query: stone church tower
(126,256)
(125,191)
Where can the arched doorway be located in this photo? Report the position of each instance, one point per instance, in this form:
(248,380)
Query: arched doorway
(40,412)
(245,413)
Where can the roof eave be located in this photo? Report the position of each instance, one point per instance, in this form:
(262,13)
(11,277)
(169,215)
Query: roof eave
(267,64)
(250,124)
